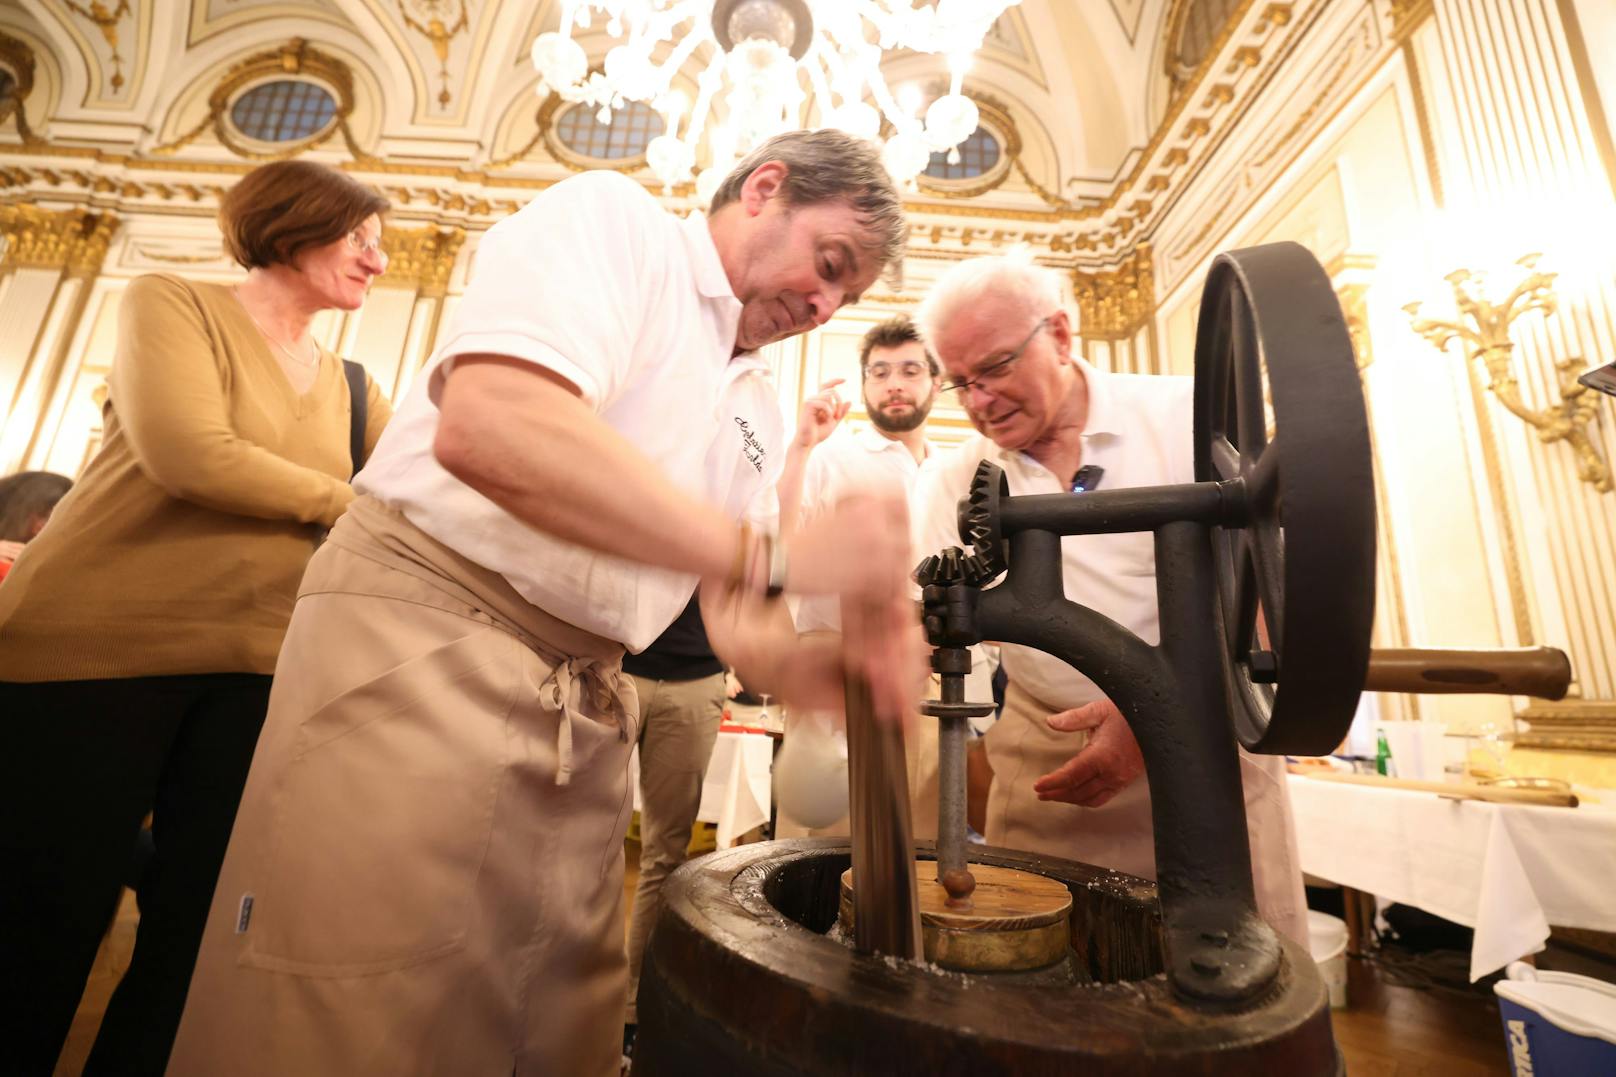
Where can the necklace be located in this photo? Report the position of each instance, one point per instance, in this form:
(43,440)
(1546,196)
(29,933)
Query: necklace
(298,359)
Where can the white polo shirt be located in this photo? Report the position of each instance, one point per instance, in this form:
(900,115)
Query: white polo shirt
(1138,430)
(846,463)
(594,281)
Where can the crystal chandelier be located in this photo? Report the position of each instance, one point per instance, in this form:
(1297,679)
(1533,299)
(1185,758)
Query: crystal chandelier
(768,58)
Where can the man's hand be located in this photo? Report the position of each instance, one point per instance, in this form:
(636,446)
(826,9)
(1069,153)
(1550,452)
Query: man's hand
(859,550)
(9,551)
(819,415)
(1103,767)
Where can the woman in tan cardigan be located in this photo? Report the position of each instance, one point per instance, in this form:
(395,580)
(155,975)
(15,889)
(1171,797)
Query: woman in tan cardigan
(138,632)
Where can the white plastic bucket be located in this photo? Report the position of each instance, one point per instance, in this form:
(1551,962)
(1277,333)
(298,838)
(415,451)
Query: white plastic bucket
(1327,941)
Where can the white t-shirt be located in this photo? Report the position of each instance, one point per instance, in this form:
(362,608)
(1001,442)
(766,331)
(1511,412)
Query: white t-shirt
(1138,430)
(846,463)
(594,281)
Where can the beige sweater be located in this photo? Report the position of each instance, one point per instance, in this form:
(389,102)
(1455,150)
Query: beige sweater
(180,548)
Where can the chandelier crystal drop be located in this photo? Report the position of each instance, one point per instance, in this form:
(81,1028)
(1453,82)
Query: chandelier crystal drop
(760,67)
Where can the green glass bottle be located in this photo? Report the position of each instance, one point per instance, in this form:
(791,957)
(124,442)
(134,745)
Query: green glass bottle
(1383,754)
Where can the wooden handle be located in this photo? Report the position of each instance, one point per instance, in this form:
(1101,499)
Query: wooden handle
(1544,672)
(886,898)
(1546,798)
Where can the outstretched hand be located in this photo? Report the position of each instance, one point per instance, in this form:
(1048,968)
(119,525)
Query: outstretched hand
(1103,767)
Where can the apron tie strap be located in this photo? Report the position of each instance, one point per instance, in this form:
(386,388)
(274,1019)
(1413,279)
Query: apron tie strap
(567,683)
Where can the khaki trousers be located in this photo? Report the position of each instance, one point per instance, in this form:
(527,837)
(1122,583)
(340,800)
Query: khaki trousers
(678,725)
(425,875)
(1022,748)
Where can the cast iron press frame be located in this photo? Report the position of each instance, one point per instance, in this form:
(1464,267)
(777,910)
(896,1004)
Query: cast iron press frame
(1265,590)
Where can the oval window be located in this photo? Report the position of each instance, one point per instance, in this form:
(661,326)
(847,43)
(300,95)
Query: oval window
(977,155)
(633,126)
(283,111)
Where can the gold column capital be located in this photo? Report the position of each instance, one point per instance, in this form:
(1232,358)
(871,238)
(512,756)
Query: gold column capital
(72,240)
(422,257)
(1115,304)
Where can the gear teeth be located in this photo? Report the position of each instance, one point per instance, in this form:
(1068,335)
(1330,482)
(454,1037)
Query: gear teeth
(925,573)
(979,570)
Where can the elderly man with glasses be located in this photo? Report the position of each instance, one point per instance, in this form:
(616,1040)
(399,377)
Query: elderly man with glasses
(1067,776)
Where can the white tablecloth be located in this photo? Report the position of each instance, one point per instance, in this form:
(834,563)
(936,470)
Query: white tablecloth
(1508,871)
(738,788)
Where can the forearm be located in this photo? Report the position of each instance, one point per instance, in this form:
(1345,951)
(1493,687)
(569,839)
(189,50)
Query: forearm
(528,444)
(788,491)
(222,472)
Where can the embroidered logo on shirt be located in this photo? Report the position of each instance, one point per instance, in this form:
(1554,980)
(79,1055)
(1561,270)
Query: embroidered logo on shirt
(751,447)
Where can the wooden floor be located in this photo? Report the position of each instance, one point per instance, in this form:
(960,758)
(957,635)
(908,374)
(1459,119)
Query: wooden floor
(1393,1031)
(1387,1030)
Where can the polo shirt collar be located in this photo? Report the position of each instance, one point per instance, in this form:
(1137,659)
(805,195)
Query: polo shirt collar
(711,279)
(872,440)
(1102,416)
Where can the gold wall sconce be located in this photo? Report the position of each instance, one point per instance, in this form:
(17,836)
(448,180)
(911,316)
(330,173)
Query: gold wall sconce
(1484,327)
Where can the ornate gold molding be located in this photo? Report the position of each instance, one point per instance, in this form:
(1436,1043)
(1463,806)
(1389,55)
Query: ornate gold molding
(106,20)
(1277,146)
(72,240)
(296,57)
(436,31)
(1116,303)
(18,59)
(423,257)
(1408,16)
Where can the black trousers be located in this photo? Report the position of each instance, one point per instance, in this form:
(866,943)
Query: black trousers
(82,765)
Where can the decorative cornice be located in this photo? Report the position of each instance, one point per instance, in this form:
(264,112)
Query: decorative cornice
(73,240)
(423,257)
(1115,304)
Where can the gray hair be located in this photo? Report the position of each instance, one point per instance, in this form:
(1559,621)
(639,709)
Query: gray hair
(830,166)
(1013,276)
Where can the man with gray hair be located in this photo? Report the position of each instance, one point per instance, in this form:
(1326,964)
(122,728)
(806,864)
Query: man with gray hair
(1068,778)
(426,874)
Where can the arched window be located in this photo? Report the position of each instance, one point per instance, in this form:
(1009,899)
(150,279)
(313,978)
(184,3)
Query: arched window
(633,126)
(977,155)
(286,110)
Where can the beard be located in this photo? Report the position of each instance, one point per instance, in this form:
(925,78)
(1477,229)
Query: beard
(899,424)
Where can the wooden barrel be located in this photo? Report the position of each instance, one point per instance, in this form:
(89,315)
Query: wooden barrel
(739,977)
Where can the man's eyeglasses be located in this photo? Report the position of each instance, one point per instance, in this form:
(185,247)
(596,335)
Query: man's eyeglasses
(905,371)
(994,374)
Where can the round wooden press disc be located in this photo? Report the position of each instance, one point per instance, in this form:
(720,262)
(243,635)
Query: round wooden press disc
(1017,920)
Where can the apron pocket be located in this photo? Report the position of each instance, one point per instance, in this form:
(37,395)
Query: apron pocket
(383,815)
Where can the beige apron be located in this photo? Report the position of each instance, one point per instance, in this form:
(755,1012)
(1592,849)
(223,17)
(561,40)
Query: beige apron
(426,873)
(1022,748)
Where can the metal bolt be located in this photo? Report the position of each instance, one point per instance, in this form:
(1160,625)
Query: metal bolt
(1205,967)
(1216,938)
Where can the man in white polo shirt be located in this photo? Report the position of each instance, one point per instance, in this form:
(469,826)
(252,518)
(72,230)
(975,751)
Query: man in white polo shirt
(1068,778)
(426,871)
(899,379)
